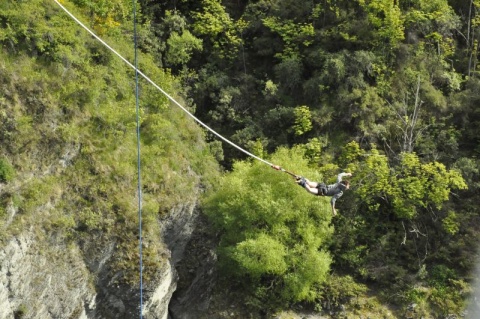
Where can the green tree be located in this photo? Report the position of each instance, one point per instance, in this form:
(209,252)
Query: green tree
(274,234)
(303,120)
(435,21)
(292,34)
(386,19)
(399,216)
(181,47)
(106,14)
(409,188)
(215,24)
(7,172)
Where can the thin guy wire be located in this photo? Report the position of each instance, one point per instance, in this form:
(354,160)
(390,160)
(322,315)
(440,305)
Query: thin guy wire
(139,167)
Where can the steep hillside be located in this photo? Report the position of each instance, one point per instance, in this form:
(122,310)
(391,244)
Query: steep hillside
(68,171)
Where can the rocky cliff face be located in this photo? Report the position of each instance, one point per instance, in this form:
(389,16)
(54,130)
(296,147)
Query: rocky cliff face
(43,277)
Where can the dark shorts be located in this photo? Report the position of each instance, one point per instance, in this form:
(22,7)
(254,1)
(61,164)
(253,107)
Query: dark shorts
(322,189)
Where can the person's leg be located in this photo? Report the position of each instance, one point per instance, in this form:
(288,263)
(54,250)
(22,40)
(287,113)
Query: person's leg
(311,184)
(311,187)
(312,190)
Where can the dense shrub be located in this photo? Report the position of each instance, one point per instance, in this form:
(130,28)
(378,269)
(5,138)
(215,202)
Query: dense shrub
(6,171)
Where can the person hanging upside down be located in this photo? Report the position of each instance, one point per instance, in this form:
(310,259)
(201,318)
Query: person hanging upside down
(321,189)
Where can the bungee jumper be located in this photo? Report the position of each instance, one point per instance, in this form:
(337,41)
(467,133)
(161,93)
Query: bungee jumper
(321,189)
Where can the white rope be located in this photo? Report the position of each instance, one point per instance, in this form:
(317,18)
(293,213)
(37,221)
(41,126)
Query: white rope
(159,88)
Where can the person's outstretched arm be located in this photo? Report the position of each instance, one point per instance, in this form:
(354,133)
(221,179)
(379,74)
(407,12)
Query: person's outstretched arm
(333,200)
(334,212)
(341,175)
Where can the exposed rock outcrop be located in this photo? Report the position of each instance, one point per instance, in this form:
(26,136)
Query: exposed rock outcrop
(50,277)
(43,280)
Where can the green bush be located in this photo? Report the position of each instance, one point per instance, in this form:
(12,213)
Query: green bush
(339,290)
(21,312)
(36,193)
(274,232)
(7,171)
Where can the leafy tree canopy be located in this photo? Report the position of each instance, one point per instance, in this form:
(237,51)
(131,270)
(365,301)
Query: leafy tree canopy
(273,232)
(406,186)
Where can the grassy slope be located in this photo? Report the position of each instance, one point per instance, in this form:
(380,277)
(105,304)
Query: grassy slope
(68,131)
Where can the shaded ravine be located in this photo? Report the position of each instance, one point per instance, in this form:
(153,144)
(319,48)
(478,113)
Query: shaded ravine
(195,262)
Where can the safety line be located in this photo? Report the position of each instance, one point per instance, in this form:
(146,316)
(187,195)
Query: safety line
(139,167)
(159,88)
